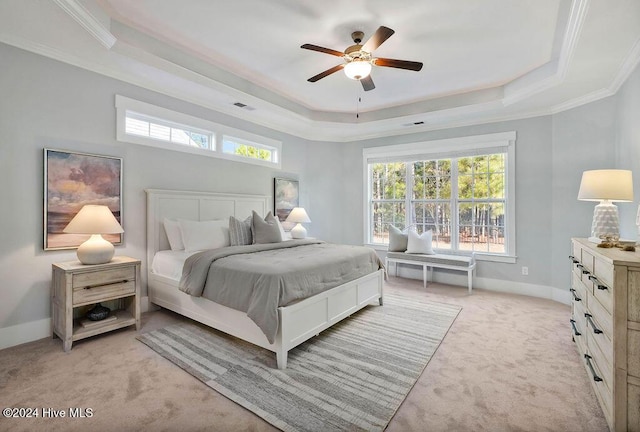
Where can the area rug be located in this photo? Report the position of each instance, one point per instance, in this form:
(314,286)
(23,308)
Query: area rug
(351,377)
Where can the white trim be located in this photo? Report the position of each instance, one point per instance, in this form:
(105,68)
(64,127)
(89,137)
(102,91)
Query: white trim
(124,104)
(81,15)
(489,284)
(25,332)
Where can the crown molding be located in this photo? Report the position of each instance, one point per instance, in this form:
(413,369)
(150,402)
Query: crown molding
(554,72)
(81,15)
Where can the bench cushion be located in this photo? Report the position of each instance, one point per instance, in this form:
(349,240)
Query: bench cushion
(452,260)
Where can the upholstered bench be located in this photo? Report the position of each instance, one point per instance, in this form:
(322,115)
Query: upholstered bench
(449,262)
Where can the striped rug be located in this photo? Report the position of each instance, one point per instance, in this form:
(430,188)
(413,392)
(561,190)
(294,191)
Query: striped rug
(352,377)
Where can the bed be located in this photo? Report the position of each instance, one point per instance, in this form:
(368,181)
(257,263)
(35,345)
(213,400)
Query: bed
(297,322)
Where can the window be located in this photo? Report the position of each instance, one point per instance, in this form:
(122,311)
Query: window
(146,124)
(248,149)
(458,189)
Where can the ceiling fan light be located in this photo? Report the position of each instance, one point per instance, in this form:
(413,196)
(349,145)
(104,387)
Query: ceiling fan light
(357,69)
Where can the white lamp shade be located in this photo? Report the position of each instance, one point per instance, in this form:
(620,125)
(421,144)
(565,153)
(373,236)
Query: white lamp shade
(94,219)
(298,215)
(609,184)
(357,69)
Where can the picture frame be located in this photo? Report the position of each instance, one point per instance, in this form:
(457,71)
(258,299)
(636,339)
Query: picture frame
(72,180)
(286,196)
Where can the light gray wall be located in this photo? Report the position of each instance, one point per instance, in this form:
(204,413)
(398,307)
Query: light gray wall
(628,148)
(583,139)
(48,104)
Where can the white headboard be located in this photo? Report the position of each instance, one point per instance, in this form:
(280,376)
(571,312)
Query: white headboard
(194,206)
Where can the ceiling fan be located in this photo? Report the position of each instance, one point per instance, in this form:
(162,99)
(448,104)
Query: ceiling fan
(358,58)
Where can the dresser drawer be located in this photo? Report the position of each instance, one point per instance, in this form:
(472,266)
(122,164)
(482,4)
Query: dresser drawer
(603,271)
(92,287)
(633,353)
(603,392)
(580,292)
(579,327)
(602,292)
(602,359)
(601,318)
(587,260)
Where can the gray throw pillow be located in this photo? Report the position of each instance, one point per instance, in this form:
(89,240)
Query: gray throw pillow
(397,240)
(240,231)
(265,230)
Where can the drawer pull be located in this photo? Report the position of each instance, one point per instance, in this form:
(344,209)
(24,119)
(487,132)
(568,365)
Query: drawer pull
(596,378)
(572,258)
(589,318)
(575,297)
(575,330)
(598,283)
(106,285)
(581,267)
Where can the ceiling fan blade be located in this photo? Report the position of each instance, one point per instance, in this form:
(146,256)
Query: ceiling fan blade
(367,83)
(322,50)
(326,73)
(400,64)
(382,34)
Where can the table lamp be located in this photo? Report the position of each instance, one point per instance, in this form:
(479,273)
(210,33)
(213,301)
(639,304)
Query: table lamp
(299,216)
(606,186)
(94,220)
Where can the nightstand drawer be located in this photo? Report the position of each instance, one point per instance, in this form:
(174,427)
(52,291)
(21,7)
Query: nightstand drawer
(93,287)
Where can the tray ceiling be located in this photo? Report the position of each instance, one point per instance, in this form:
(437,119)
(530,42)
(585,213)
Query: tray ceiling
(483,60)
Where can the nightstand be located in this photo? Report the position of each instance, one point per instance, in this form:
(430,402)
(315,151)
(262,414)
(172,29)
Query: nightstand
(77,286)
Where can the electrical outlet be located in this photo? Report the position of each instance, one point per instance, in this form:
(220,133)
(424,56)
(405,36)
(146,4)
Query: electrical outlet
(525,271)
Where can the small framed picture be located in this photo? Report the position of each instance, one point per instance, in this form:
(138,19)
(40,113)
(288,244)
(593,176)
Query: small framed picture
(285,198)
(72,180)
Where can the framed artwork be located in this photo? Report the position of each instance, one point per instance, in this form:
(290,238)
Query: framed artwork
(285,198)
(72,180)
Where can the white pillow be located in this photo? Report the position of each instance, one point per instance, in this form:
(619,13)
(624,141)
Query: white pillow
(420,243)
(283,234)
(172,229)
(201,235)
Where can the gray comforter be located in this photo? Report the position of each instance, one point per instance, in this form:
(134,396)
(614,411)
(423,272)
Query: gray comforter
(257,279)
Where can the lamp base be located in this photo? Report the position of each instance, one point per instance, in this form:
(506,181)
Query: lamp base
(96,250)
(605,221)
(298,232)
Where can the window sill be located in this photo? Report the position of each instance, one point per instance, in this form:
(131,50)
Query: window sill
(509,259)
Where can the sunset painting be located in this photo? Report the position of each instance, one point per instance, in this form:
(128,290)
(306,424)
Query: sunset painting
(73,180)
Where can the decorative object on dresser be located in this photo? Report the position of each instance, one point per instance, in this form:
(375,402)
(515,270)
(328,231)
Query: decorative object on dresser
(77,286)
(298,216)
(95,220)
(352,377)
(605,324)
(606,186)
(71,181)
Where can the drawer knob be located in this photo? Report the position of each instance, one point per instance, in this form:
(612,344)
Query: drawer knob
(596,378)
(575,330)
(589,318)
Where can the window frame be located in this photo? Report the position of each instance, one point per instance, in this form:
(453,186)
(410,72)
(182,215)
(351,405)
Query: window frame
(503,142)
(175,119)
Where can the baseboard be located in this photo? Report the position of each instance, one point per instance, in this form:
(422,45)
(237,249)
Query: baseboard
(499,285)
(23,333)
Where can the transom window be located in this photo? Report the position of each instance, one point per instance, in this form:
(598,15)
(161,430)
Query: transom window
(146,124)
(461,193)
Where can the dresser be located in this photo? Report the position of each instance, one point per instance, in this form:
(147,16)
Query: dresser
(76,287)
(605,325)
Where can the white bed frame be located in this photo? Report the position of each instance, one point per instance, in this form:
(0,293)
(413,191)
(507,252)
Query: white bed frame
(297,322)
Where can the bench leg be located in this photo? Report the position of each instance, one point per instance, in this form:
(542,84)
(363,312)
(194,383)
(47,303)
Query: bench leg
(470,279)
(424,276)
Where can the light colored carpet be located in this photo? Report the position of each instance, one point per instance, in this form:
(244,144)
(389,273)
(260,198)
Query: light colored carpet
(507,364)
(352,377)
